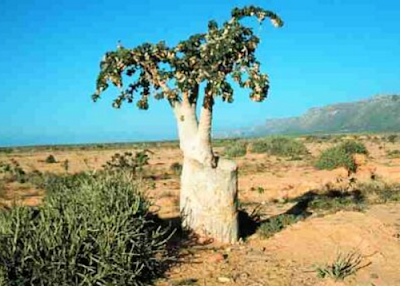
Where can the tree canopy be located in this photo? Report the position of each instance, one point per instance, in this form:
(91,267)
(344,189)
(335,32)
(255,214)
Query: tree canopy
(211,58)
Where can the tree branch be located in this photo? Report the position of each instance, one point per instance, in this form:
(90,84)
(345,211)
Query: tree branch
(205,123)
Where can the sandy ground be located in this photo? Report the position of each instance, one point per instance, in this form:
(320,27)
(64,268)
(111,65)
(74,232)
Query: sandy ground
(291,256)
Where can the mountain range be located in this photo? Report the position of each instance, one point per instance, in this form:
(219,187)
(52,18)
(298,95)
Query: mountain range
(380,113)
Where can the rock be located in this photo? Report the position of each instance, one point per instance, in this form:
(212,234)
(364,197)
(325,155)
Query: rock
(204,240)
(216,258)
(223,279)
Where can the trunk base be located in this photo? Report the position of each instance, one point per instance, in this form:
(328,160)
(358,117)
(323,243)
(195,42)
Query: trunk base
(208,201)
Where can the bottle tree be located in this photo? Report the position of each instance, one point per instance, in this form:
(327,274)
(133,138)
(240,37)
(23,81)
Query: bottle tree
(196,71)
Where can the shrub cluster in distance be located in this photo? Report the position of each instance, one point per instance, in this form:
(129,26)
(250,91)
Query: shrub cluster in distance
(341,156)
(236,149)
(279,146)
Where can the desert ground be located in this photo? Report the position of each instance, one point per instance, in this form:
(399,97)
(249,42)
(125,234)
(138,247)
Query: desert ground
(324,224)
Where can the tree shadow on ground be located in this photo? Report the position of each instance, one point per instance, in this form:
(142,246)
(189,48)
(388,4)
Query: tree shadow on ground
(181,241)
(304,206)
(249,223)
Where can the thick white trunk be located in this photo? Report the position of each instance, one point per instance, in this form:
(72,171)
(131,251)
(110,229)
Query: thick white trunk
(208,200)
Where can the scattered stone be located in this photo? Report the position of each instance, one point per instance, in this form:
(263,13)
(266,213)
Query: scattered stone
(204,240)
(223,279)
(216,258)
(374,276)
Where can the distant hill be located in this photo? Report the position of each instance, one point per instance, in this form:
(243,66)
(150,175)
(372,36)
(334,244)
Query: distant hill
(378,114)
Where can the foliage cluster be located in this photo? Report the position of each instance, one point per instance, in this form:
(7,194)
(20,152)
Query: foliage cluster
(345,264)
(51,159)
(392,138)
(176,168)
(333,158)
(378,192)
(334,201)
(279,146)
(209,59)
(332,138)
(6,150)
(393,154)
(236,149)
(353,147)
(13,171)
(276,224)
(128,162)
(341,156)
(90,230)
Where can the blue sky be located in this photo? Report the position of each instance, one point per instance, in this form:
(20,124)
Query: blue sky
(329,51)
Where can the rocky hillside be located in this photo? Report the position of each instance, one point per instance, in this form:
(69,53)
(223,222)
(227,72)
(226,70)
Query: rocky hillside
(377,114)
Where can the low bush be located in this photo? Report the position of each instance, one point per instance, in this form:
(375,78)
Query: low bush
(392,138)
(333,158)
(65,165)
(50,159)
(344,265)
(128,162)
(340,156)
(6,150)
(236,149)
(353,147)
(3,191)
(378,192)
(393,154)
(276,224)
(323,138)
(334,201)
(176,168)
(279,146)
(13,171)
(90,230)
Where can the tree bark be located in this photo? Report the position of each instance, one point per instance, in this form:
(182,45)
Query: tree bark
(208,199)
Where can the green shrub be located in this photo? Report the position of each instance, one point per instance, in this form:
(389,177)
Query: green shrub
(335,157)
(340,156)
(90,230)
(3,192)
(353,147)
(392,138)
(335,201)
(128,162)
(13,171)
(344,265)
(176,168)
(393,154)
(279,146)
(66,165)
(236,149)
(50,159)
(380,192)
(276,224)
(6,151)
(321,138)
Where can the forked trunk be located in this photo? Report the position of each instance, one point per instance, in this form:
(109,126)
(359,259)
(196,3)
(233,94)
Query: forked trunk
(208,200)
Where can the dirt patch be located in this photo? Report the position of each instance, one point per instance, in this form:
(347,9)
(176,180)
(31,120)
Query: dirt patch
(292,256)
